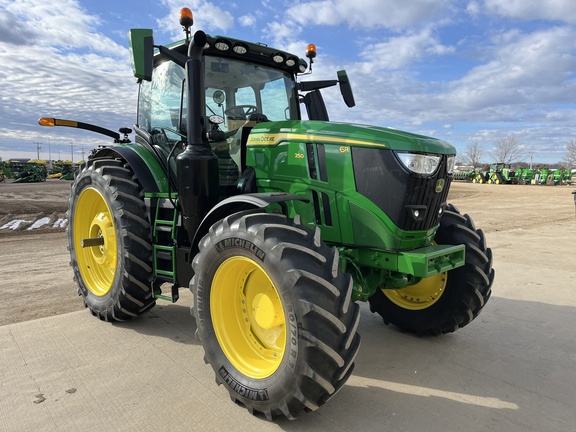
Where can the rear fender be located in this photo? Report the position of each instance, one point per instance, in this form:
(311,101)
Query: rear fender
(148,170)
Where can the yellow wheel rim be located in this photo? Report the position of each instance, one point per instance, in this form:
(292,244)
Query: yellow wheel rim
(248,317)
(421,295)
(93,219)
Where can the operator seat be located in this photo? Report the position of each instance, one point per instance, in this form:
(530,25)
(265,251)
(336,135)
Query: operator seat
(237,146)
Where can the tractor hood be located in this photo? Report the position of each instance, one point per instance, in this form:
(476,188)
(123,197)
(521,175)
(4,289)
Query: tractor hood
(349,134)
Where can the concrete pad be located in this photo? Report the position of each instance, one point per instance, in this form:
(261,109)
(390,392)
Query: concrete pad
(512,369)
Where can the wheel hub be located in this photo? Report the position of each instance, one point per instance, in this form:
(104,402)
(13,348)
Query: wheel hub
(267,311)
(102,227)
(93,219)
(248,317)
(421,295)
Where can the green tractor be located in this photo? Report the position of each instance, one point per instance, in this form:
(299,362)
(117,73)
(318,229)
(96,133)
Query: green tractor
(541,176)
(525,176)
(560,176)
(501,173)
(277,224)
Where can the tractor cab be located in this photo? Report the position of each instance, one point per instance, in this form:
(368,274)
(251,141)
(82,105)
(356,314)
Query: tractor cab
(237,95)
(240,83)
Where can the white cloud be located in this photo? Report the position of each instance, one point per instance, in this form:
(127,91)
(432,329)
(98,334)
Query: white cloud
(284,35)
(400,51)
(247,20)
(80,86)
(12,30)
(524,69)
(59,23)
(473,8)
(368,14)
(515,88)
(559,10)
(67,70)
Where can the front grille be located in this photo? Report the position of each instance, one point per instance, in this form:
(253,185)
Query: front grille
(400,194)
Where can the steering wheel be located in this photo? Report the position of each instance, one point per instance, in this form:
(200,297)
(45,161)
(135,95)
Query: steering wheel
(242,111)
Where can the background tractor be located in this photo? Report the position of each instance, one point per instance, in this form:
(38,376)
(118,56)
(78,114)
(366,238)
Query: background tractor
(239,187)
(501,173)
(525,175)
(498,173)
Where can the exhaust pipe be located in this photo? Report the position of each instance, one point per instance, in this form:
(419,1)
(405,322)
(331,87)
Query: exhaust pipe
(197,166)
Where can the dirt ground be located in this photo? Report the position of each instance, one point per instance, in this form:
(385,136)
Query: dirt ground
(36,280)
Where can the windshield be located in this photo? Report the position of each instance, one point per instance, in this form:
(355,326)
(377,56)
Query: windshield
(234,90)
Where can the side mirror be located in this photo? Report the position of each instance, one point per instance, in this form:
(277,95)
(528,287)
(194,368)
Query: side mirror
(346,89)
(141,42)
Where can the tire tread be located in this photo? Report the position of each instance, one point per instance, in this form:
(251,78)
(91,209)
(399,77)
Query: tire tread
(468,289)
(327,319)
(132,293)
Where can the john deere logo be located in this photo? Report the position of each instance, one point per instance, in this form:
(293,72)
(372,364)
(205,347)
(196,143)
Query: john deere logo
(439,185)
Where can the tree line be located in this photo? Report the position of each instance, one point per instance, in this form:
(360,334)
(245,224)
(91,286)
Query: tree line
(508,150)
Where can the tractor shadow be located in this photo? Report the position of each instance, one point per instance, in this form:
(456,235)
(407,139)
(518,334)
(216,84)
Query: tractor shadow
(490,375)
(167,320)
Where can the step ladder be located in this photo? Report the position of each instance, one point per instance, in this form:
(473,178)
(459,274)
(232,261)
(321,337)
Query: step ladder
(164,247)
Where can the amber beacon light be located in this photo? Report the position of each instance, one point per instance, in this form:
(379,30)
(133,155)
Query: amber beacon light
(311,51)
(186,17)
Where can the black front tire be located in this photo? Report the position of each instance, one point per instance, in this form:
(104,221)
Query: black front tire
(313,309)
(466,290)
(114,278)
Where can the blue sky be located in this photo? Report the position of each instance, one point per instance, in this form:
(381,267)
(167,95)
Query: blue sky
(463,71)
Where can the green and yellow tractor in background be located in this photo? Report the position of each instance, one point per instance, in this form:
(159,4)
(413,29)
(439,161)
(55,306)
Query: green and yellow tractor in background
(498,173)
(501,173)
(278,220)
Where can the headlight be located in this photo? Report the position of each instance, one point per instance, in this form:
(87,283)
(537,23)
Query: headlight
(450,164)
(419,163)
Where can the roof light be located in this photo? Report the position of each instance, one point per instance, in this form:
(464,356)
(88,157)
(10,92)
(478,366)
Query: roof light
(311,51)
(240,48)
(222,44)
(278,58)
(186,17)
(291,61)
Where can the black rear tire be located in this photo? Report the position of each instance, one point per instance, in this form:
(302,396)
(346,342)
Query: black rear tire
(114,278)
(466,290)
(314,340)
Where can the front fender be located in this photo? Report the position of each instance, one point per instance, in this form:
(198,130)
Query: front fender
(239,203)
